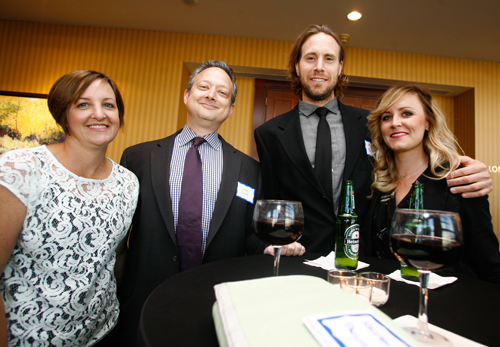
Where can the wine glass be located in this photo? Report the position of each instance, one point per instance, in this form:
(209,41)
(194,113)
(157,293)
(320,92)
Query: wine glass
(278,223)
(427,240)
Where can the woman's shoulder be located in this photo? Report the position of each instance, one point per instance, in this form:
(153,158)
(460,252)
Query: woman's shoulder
(31,152)
(22,171)
(24,159)
(124,174)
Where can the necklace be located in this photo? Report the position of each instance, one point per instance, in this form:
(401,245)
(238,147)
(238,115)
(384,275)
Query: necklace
(411,173)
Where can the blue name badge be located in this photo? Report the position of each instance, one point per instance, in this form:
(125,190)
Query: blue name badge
(245,192)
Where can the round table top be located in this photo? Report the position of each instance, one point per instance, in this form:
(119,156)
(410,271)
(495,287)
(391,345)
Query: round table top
(179,311)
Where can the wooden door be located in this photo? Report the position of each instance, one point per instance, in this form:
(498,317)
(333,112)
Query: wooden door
(272,98)
(365,98)
(279,102)
(356,101)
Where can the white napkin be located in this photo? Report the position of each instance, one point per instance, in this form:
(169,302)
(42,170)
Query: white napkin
(457,340)
(435,281)
(328,262)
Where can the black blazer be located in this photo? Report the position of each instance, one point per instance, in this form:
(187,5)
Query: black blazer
(481,255)
(152,254)
(288,174)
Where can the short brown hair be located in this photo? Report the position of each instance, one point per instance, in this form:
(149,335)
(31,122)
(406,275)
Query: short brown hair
(296,54)
(68,89)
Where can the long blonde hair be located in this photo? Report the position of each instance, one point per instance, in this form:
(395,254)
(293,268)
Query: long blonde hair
(440,144)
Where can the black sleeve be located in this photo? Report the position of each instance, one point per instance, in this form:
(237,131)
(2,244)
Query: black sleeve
(481,251)
(270,185)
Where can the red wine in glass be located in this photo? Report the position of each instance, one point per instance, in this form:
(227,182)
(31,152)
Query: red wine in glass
(426,252)
(427,240)
(278,223)
(280,232)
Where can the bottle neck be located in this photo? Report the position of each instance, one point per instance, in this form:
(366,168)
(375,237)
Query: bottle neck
(417,197)
(347,203)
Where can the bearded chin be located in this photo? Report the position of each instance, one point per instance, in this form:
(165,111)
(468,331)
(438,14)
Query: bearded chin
(317,95)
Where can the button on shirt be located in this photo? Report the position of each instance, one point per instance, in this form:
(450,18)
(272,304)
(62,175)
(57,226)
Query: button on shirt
(309,124)
(212,165)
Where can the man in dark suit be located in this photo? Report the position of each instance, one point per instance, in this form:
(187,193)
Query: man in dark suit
(231,184)
(286,144)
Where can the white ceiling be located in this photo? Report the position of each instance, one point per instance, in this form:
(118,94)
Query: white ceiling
(467,29)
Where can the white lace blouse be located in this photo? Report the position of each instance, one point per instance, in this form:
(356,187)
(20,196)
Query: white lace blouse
(58,285)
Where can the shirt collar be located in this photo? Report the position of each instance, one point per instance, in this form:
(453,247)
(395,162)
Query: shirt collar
(187,135)
(307,109)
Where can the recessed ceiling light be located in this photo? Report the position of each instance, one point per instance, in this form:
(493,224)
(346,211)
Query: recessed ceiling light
(354,15)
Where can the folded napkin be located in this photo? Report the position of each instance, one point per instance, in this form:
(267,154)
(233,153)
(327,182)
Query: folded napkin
(270,311)
(328,262)
(435,281)
(456,340)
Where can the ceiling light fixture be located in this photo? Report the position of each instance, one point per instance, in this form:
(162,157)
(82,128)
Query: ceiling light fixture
(354,16)
(344,38)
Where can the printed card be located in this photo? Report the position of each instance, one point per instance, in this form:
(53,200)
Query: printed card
(351,329)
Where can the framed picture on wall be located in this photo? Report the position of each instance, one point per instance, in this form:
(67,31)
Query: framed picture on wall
(25,121)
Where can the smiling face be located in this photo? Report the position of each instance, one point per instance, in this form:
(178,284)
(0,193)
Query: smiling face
(319,68)
(209,101)
(94,118)
(403,125)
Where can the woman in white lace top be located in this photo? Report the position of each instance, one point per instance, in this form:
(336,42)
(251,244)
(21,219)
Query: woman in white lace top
(65,209)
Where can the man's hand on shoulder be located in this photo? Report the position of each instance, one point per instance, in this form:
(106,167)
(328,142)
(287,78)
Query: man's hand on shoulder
(472,181)
(293,249)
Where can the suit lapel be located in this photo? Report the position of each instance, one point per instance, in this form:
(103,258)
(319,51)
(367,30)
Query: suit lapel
(227,189)
(292,142)
(160,172)
(354,130)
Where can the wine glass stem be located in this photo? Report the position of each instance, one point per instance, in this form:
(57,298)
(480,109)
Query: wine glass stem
(422,311)
(277,256)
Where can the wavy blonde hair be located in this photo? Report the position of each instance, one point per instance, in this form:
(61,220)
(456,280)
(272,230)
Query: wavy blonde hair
(439,142)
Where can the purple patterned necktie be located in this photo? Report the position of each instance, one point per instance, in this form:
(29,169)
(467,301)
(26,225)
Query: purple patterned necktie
(189,232)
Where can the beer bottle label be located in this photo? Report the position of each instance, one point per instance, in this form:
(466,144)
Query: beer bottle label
(351,241)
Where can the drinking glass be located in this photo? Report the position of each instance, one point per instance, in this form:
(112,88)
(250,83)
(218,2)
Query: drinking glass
(427,240)
(278,223)
(380,285)
(341,278)
(361,288)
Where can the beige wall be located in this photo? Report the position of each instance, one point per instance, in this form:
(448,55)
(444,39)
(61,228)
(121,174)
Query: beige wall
(148,68)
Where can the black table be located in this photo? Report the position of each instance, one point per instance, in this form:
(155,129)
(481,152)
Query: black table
(179,311)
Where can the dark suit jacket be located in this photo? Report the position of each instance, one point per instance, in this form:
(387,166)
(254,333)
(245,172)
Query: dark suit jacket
(152,254)
(288,174)
(481,255)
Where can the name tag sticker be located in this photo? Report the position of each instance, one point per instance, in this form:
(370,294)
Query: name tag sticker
(245,192)
(368,147)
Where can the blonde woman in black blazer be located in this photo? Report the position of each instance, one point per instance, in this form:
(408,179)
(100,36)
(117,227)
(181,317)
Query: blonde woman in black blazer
(411,142)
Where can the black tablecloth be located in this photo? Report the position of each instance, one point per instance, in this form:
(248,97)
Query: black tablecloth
(179,311)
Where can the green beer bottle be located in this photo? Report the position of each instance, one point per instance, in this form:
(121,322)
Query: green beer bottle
(347,231)
(417,196)
(416,203)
